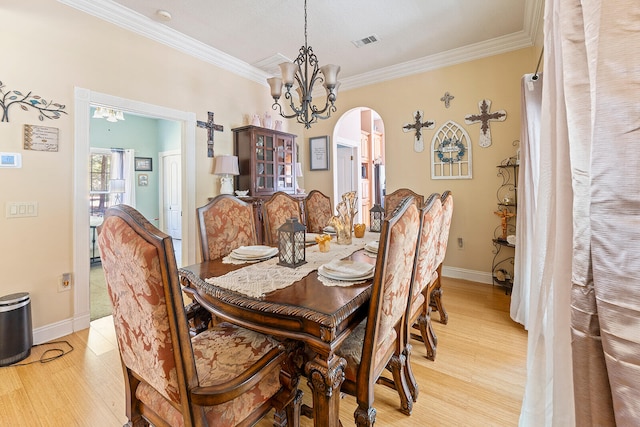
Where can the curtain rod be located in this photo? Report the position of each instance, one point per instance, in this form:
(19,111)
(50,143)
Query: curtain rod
(535,75)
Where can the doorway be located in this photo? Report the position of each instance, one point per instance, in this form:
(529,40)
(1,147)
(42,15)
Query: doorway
(359,158)
(84,99)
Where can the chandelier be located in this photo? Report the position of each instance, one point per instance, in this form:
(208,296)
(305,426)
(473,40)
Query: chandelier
(110,114)
(305,72)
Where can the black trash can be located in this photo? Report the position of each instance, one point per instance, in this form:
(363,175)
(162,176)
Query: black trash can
(16,333)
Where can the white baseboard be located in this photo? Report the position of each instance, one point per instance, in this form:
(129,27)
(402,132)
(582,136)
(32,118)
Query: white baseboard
(56,330)
(52,331)
(471,275)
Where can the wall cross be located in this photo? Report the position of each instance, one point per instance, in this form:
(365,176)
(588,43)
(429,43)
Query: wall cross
(418,125)
(485,117)
(446,98)
(211,127)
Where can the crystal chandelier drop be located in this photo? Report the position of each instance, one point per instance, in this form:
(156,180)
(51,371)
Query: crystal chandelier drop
(306,73)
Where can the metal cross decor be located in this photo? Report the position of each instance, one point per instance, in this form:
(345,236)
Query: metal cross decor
(418,145)
(485,117)
(210,126)
(446,98)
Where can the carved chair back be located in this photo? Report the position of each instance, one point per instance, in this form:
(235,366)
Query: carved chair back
(225,223)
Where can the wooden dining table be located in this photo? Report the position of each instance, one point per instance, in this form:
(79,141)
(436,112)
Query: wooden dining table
(307,311)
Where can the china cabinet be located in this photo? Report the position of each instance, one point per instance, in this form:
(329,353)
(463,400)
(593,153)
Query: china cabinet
(267,160)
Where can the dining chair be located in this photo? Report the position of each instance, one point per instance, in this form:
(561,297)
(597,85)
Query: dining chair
(276,211)
(225,376)
(393,199)
(423,275)
(318,210)
(376,345)
(225,224)
(436,289)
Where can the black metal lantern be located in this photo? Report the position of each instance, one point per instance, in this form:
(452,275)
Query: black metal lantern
(376,217)
(291,243)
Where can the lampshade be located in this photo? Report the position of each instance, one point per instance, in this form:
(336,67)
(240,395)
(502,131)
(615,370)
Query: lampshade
(116,185)
(226,165)
(298,169)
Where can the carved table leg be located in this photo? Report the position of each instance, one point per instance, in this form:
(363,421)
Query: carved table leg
(324,379)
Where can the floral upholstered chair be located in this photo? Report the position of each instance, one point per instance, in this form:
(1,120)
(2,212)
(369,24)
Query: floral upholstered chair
(225,223)
(376,343)
(276,211)
(423,276)
(317,211)
(225,376)
(436,288)
(392,200)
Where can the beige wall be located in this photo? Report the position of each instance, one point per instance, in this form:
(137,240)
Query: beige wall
(496,78)
(49,48)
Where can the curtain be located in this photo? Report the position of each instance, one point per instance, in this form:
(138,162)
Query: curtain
(583,362)
(526,195)
(128,174)
(122,167)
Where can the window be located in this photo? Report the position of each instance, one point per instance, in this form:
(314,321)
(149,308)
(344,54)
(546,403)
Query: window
(100,173)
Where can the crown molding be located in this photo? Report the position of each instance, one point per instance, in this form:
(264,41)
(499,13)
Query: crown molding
(114,13)
(132,21)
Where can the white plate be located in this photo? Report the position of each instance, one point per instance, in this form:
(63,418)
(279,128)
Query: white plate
(249,253)
(347,269)
(329,230)
(372,247)
(326,274)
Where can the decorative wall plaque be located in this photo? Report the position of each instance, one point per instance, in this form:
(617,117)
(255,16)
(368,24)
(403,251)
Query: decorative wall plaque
(40,138)
(451,152)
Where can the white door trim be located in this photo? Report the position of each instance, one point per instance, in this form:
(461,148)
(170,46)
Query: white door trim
(84,99)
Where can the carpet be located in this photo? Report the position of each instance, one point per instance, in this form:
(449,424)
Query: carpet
(100,302)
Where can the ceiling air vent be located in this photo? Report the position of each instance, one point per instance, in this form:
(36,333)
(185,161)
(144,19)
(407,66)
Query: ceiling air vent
(365,41)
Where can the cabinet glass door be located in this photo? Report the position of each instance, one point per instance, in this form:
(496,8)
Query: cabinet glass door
(285,163)
(264,159)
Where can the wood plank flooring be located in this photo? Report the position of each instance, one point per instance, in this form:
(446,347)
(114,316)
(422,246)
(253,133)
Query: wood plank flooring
(477,378)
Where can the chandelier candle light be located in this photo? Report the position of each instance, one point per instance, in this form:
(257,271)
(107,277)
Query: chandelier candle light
(298,70)
(226,166)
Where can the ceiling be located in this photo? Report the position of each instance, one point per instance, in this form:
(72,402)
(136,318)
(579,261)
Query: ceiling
(252,37)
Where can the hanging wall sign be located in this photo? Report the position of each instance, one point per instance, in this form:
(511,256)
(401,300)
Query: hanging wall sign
(451,153)
(40,138)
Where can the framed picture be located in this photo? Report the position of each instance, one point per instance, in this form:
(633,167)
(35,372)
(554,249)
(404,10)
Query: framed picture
(143,180)
(143,164)
(319,153)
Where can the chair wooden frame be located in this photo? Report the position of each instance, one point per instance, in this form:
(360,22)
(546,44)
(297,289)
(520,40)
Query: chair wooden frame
(123,230)
(394,357)
(436,289)
(393,199)
(273,218)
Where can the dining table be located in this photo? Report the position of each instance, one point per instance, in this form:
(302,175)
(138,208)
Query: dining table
(293,305)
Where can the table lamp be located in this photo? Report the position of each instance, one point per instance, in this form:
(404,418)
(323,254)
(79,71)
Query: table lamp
(298,175)
(226,166)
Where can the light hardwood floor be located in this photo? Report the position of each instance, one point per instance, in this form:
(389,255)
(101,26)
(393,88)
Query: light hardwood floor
(477,378)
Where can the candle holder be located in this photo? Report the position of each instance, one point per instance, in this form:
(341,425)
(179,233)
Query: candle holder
(291,243)
(376,216)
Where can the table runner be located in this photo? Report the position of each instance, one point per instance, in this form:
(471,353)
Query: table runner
(257,279)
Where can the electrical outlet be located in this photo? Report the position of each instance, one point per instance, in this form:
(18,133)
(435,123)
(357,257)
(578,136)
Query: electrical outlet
(65,282)
(460,243)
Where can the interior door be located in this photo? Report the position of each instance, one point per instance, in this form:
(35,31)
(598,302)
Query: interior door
(172,184)
(346,171)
